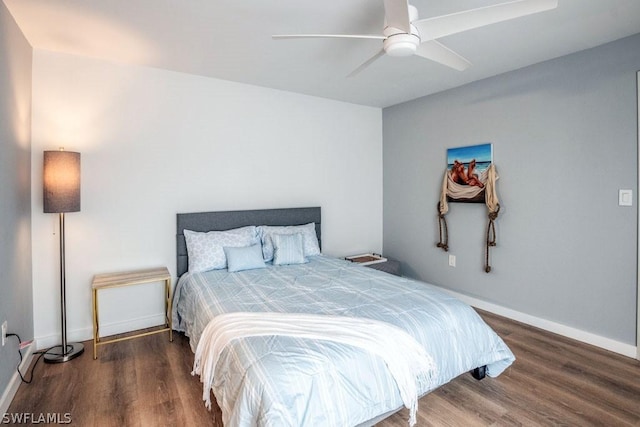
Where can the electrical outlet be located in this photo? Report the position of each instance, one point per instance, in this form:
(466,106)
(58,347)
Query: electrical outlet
(452,260)
(4,332)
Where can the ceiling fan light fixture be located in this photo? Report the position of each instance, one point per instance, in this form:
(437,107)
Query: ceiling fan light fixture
(401,44)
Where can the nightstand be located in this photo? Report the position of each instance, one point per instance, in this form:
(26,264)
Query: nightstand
(390,266)
(376,261)
(130,278)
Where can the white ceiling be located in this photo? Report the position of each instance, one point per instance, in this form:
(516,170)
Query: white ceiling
(231,40)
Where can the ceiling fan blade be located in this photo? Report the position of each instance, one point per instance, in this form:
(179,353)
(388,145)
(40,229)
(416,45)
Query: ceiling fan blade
(437,52)
(328,36)
(366,63)
(440,26)
(396,14)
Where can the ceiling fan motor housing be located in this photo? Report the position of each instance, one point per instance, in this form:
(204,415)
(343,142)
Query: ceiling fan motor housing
(401,44)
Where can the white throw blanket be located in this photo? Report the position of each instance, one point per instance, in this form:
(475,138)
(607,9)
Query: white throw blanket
(406,359)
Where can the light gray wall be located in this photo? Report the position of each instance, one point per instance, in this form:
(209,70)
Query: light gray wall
(15,180)
(565,140)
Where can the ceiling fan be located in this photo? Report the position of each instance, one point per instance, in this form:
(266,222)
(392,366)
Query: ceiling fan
(405,35)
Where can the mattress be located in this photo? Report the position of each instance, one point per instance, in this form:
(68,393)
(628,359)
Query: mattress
(283,380)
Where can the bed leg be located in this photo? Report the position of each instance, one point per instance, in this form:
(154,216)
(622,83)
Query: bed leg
(480,372)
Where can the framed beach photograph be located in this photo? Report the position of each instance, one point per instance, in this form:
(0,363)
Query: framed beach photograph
(467,172)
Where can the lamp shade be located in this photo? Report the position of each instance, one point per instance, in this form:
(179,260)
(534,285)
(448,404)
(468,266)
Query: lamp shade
(61,181)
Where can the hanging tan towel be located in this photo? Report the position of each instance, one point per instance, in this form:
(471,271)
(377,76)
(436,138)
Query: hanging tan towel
(443,207)
(488,177)
(491,196)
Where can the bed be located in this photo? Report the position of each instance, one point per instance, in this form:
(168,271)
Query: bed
(292,379)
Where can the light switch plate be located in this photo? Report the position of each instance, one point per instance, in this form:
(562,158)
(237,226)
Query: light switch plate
(625,198)
(4,332)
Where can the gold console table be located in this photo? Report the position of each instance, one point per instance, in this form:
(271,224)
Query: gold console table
(130,278)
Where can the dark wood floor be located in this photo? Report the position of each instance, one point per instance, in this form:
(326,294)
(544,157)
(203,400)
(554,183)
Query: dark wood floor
(146,382)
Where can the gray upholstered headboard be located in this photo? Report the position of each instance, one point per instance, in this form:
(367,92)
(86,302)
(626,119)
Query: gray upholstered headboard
(226,220)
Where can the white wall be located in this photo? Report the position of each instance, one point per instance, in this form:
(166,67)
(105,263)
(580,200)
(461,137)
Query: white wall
(155,143)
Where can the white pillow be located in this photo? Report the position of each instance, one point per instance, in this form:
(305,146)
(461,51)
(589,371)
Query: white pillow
(309,238)
(206,251)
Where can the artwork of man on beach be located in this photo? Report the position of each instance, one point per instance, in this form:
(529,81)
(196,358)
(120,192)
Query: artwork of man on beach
(467,172)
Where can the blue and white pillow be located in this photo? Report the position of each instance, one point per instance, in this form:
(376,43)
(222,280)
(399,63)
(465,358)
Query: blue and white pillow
(288,249)
(309,238)
(205,250)
(244,258)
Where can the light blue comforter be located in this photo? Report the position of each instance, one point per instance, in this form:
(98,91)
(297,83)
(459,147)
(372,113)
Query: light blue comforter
(287,381)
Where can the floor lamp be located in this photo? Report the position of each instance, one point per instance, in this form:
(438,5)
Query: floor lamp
(61,184)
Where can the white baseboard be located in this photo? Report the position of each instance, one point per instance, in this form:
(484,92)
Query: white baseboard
(14,383)
(557,328)
(85,334)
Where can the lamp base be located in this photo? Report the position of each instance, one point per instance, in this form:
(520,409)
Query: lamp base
(58,355)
